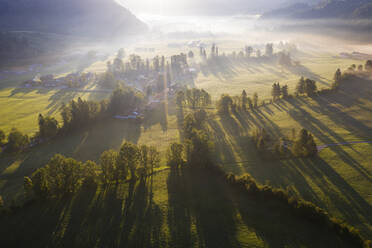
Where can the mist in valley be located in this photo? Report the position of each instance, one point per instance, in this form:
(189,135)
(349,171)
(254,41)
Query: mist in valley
(172,123)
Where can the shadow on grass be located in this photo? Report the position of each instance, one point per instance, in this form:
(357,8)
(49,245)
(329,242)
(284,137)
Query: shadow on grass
(86,145)
(211,214)
(115,216)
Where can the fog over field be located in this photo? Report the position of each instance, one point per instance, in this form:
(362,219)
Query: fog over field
(186,123)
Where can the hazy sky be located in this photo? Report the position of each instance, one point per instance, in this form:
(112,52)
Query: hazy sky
(208,7)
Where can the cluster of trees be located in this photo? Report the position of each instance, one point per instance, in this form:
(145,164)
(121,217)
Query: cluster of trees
(193,98)
(48,127)
(136,67)
(81,113)
(75,115)
(278,91)
(197,147)
(305,145)
(238,103)
(268,147)
(245,53)
(339,77)
(63,176)
(15,142)
(271,148)
(306,86)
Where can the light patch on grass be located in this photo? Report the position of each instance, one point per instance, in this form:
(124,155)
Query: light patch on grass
(12,168)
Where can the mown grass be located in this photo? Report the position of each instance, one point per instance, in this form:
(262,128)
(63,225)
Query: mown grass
(180,209)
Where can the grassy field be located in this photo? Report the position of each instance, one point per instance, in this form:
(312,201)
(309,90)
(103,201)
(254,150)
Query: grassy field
(159,130)
(20,107)
(339,179)
(187,210)
(255,77)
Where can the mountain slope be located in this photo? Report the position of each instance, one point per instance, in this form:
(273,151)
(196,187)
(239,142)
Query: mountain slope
(98,18)
(335,9)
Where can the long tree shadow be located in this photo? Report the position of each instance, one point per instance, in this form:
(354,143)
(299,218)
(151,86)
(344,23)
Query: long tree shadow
(217,211)
(108,217)
(179,212)
(354,206)
(203,205)
(303,71)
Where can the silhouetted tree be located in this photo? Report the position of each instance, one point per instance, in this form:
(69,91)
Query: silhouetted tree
(276,91)
(310,87)
(244,100)
(153,158)
(108,162)
(255,100)
(128,160)
(224,104)
(250,103)
(16,141)
(48,127)
(368,66)
(300,88)
(305,145)
(199,149)
(175,156)
(284,91)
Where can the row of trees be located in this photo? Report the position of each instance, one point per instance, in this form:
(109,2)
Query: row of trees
(81,112)
(297,206)
(63,176)
(175,68)
(268,147)
(306,86)
(279,91)
(75,115)
(339,76)
(238,103)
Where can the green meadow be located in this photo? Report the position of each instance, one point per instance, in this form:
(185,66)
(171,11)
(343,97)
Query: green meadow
(176,209)
(189,211)
(257,77)
(339,179)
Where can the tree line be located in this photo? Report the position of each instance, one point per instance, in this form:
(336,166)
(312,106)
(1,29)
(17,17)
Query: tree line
(65,176)
(193,98)
(75,116)
(227,104)
(268,147)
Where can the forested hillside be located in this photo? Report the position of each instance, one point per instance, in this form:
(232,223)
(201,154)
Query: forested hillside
(98,18)
(345,9)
